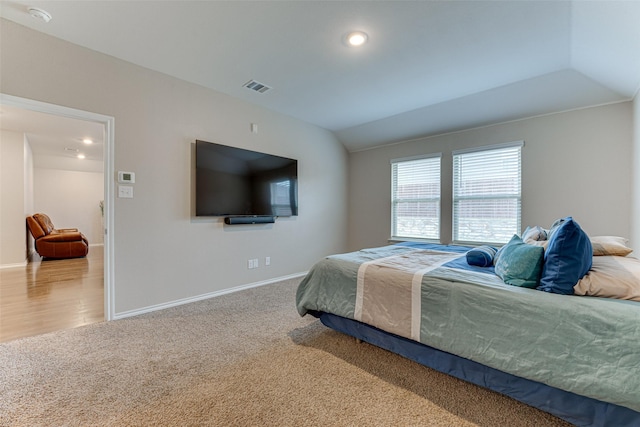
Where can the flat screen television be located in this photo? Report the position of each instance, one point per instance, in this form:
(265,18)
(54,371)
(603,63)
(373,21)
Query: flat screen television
(233,181)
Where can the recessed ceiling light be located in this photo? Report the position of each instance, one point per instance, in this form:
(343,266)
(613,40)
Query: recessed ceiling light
(81,156)
(88,141)
(356,38)
(40,14)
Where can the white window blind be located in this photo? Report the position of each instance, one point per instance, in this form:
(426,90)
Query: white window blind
(487,194)
(415,198)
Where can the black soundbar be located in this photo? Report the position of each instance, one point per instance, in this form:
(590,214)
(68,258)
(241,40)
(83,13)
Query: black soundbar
(250,219)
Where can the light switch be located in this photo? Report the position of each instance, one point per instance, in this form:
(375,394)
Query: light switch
(125,192)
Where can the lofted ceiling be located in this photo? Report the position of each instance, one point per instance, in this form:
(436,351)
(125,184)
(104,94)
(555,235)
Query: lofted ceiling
(429,67)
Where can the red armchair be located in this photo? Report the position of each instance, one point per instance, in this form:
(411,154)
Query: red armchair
(56,243)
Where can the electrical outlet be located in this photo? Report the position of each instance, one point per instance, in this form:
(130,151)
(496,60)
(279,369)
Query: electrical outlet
(250,264)
(256,263)
(267,260)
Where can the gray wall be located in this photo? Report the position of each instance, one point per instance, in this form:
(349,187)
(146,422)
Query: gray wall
(576,163)
(635,178)
(162,253)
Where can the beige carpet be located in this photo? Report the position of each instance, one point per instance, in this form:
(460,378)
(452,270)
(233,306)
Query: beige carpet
(244,359)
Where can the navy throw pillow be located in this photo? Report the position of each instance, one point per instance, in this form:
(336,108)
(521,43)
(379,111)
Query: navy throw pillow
(567,259)
(482,256)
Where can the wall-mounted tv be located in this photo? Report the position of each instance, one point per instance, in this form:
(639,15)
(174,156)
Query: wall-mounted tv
(233,181)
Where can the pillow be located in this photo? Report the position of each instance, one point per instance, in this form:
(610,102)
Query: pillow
(567,259)
(557,223)
(611,277)
(482,256)
(520,264)
(542,243)
(535,233)
(610,245)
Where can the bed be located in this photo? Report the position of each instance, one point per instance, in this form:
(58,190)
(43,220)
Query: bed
(576,357)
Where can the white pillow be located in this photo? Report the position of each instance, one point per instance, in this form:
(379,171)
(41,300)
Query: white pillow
(611,277)
(536,236)
(535,233)
(610,245)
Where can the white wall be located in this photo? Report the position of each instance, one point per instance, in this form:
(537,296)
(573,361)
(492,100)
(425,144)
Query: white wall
(162,254)
(13,240)
(28,177)
(71,199)
(28,189)
(576,163)
(47,161)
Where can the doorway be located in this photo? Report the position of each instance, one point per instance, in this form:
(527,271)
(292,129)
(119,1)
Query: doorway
(106,251)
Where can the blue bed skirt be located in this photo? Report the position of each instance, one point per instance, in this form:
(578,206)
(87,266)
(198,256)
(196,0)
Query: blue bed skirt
(579,410)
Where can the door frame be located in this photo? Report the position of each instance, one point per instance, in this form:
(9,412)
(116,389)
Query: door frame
(108,123)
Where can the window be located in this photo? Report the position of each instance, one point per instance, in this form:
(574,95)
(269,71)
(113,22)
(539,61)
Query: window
(415,198)
(486,194)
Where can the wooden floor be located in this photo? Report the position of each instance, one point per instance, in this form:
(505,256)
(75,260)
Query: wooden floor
(51,295)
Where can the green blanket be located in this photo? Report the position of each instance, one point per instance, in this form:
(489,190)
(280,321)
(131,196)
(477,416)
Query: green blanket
(586,345)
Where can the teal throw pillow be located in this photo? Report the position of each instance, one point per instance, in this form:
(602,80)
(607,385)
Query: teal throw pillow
(520,264)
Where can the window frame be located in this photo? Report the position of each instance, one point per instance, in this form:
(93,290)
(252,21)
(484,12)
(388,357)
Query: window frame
(394,200)
(455,237)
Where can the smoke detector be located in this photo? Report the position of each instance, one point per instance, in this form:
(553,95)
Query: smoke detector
(40,14)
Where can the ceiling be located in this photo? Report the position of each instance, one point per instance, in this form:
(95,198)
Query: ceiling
(429,67)
(56,141)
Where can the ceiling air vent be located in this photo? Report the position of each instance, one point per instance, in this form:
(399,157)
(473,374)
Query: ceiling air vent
(256,86)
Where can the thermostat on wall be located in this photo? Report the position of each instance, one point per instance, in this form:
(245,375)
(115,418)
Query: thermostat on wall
(126,177)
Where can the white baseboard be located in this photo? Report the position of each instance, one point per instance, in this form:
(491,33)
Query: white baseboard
(175,303)
(18,264)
